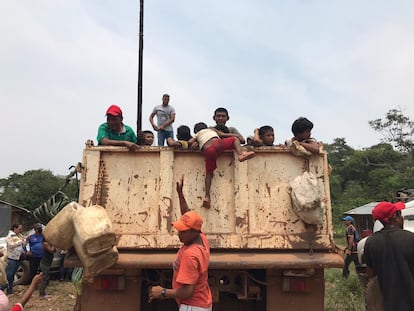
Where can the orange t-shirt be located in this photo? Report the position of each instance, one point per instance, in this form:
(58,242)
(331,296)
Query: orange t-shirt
(191,267)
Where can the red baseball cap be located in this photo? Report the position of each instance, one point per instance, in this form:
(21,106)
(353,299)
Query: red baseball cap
(384,211)
(114,110)
(190,220)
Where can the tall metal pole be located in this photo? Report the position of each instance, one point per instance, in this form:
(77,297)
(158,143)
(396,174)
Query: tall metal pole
(140,54)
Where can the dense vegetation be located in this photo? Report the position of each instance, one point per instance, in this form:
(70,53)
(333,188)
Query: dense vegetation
(35,187)
(372,174)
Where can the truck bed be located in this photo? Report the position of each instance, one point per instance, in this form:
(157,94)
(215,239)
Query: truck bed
(251,205)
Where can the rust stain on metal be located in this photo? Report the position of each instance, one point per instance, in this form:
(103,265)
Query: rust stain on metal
(145,214)
(268,190)
(169,211)
(240,221)
(96,197)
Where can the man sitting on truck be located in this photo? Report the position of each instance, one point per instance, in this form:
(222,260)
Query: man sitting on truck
(190,279)
(221,116)
(115,133)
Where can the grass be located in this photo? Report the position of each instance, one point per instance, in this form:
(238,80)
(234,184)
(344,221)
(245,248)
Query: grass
(343,294)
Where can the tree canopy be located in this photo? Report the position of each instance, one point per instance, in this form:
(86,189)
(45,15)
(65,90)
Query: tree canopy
(396,128)
(33,188)
(362,176)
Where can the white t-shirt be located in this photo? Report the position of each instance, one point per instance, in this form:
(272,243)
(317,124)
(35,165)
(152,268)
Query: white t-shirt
(204,136)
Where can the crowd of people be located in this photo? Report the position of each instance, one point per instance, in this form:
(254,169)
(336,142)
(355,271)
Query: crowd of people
(212,141)
(190,279)
(389,253)
(389,258)
(39,252)
(115,133)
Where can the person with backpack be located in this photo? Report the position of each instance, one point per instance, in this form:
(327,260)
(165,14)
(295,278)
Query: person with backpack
(352,238)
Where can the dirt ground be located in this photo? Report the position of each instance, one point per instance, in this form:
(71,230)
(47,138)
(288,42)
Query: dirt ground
(63,297)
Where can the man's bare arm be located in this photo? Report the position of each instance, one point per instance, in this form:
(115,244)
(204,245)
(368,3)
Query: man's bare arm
(183,203)
(311,146)
(129,144)
(28,293)
(170,121)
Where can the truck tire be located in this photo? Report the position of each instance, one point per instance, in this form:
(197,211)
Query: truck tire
(22,276)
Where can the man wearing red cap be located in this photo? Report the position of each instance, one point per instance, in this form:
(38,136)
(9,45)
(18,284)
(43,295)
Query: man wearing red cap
(115,133)
(389,254)
(190,280)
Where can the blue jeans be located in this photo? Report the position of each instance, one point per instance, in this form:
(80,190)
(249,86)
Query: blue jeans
(11,269)
(163,135)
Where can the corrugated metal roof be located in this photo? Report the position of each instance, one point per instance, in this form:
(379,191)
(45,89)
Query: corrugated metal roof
(14,206)
(367,208)
(362,210)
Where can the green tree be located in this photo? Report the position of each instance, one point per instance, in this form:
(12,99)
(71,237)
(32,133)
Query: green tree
(33,188)
(396,128)
(362,176)
(339,152)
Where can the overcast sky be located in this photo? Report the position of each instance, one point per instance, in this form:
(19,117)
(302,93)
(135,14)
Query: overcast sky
(62,63)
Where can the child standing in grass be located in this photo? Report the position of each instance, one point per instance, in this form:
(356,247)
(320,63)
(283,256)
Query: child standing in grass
(212,146)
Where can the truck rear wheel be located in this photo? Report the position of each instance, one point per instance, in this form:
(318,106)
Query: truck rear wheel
(22,276)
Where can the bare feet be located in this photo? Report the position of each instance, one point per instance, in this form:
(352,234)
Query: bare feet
(206,203)
(246,155)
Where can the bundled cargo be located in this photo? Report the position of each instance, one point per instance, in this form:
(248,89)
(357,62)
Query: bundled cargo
(93,230)
(60,230)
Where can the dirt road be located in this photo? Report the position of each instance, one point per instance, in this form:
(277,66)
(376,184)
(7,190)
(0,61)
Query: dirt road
(63,297)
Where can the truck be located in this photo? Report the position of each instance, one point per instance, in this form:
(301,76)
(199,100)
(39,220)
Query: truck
(263,255)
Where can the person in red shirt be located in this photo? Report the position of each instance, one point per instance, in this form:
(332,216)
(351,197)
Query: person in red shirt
(4,301)
(190,279)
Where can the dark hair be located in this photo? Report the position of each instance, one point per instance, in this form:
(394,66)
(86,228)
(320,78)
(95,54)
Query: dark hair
(199,126)
(165,95)
(140,136)
(264,129)
(14,226)
(183,133)
(300,125)
(221,109)
(222,128)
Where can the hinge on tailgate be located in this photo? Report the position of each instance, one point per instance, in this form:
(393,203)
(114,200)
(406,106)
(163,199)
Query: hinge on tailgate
(311,234)
(98,185)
